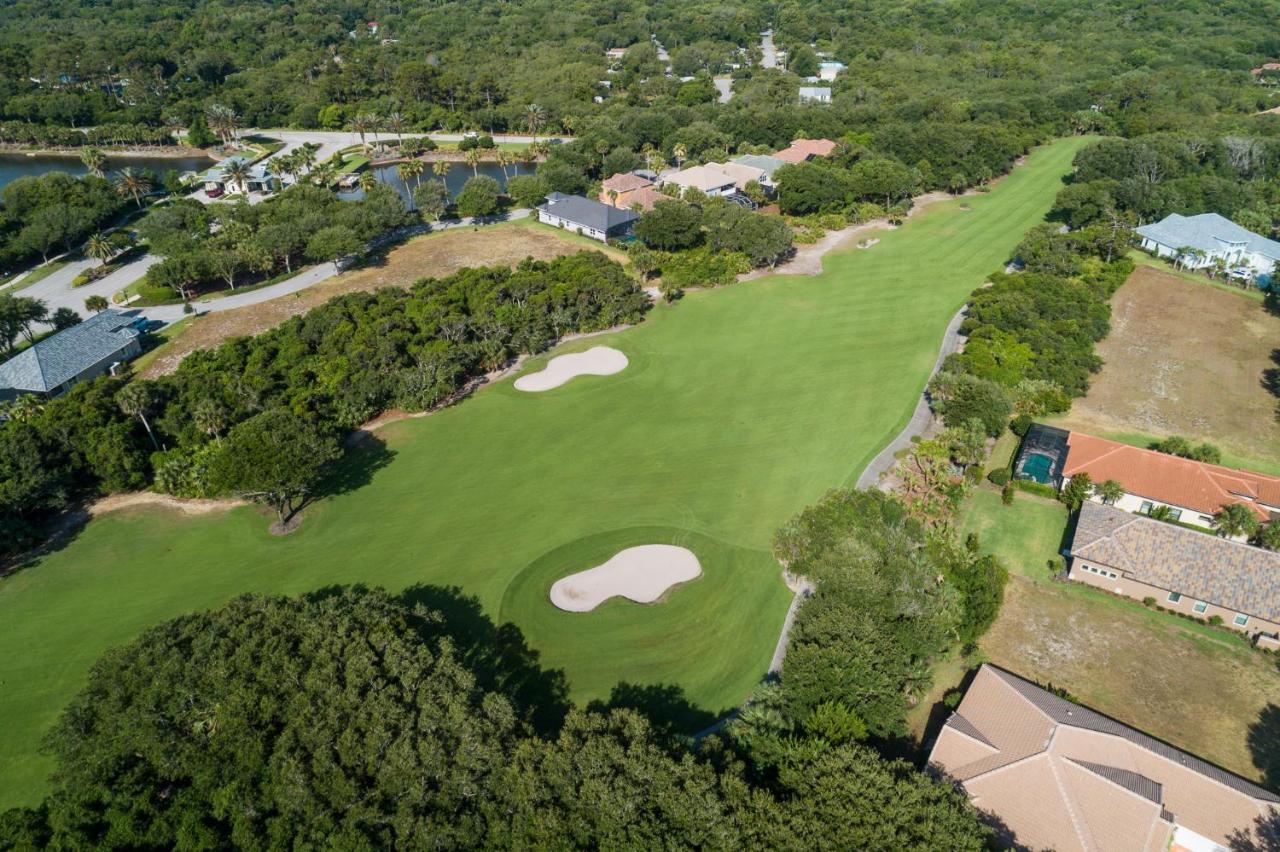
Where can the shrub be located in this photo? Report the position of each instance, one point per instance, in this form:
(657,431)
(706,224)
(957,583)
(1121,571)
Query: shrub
(466,143)
(1148,602)
(999,476)
(1215,620)
(1033,487)
(1020,425)
(1006,495)
(486,141)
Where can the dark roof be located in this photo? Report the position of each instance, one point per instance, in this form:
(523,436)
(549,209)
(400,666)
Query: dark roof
(1230,574)
(61,357)
(1064,712)
(967,728)
(1132,781)
(588,213)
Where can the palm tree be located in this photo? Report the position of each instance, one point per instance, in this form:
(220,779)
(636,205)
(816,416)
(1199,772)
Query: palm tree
(441,168)
(223,121)
(237,171)
(95,161)
(415,170)
(1235,520)
(97,304)
(25,408)
(395,123)
(210,417)
(473,160)
(504,160)
(131,183)
(534,118)
(136,399)
(1110,491)
(99,248)
(368,180)
(679,151)
(362,124)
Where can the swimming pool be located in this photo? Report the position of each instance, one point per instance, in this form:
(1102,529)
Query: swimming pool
(1039,467)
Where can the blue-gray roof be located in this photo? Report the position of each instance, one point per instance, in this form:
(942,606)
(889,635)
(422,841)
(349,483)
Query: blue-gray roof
(61,357)
(588,213)
(1207,232)
(764,162)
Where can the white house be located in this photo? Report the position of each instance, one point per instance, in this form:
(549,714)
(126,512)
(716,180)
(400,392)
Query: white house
(709,179)
(1199,241)
(815,94)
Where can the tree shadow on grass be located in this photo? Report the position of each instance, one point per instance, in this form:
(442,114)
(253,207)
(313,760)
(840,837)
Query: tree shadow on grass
(664,705)
(498,655)
(1264,745)
(357,468)
(1271,378)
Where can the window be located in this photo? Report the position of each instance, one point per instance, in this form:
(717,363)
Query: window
(1205,519)
(1200,606)
(1175,514)
(1240,620)
(1146,507)
(1174,597)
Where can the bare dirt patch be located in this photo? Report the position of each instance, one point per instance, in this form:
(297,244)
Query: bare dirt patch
(1200,691)
(432,255)
(131,499)
(1189,359)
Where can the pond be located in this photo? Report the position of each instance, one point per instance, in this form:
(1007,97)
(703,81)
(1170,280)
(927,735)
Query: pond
(16,165)
(458,175)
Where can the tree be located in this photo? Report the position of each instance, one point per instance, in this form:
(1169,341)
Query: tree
(395,123)
(479,197)
(1235,520)
(431,199)
(1268,536)
(361,124)
(527,190)
(96,304)
(275,457)
(1075,492)
(411,169)
(95,161)
(99,248)
(18,316)
(238,171)
(1110,491)
(64,318)
(961,397)
(441,168)
(132,184)
(332,244)
(802,61)
(535,117)
(138,399)
(670,226)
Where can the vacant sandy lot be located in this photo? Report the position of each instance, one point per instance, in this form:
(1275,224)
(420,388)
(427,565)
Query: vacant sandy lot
(431,255)
(641,574)
(596,361)
(1186,358)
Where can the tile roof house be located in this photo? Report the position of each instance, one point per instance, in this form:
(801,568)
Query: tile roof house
(629,190)
(709,179)
(644,198)
(624,182)
(589,218)
(1052,774)
(806,149)
(75,354)
(1193,490)
(1184,570)
(1199,241)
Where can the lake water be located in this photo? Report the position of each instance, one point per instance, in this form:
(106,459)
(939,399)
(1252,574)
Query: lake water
(14,166)
(458,175)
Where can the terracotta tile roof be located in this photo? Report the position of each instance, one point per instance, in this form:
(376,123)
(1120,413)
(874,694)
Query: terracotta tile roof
(803,149)
(1170,479)
(624,182)
(1066,777)
(645,196)
(1230,574)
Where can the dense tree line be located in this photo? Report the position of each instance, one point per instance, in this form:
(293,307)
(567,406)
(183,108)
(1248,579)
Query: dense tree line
(353,719)
(222,245)
(889,596)
(208,427)
(48,214)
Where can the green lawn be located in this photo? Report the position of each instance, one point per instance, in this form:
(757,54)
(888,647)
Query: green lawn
(1025,535)
(739,407)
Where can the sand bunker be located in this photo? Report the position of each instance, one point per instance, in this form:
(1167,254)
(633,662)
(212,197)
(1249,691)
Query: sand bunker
(641,574)
(596,361)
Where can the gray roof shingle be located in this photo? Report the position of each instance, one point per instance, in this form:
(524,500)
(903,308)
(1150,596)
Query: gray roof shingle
(61,357)
(588,213)
(766,163)
(1204,232)
(1227,573)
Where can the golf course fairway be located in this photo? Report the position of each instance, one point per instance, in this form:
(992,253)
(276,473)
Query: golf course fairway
(738,407)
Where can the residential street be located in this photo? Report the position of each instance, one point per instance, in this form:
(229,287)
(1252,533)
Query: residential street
(769,54)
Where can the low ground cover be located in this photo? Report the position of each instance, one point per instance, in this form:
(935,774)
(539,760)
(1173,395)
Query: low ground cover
(1188,359)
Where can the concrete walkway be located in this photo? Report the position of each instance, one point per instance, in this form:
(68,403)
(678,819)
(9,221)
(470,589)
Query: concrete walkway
(921,418)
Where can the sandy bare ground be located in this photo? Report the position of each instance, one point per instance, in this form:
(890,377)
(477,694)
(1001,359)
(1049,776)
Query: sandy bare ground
(596,361)
(132,499)
(1186,358)
(641,574)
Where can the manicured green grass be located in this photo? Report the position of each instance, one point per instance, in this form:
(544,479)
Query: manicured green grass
(739,407)
(1025,535)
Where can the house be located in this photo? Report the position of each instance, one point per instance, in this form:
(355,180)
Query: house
(1267,73)
(802,150)
(622,182)
(741,174)
(707,179)
(84,351)
(766,163)
(815,94)
(828,71)
(1192,490)
(219,180)
(1209,239)
(643,198)
(589,218)
(1052,774)
(1184,570)
(614,54)
(631,190)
